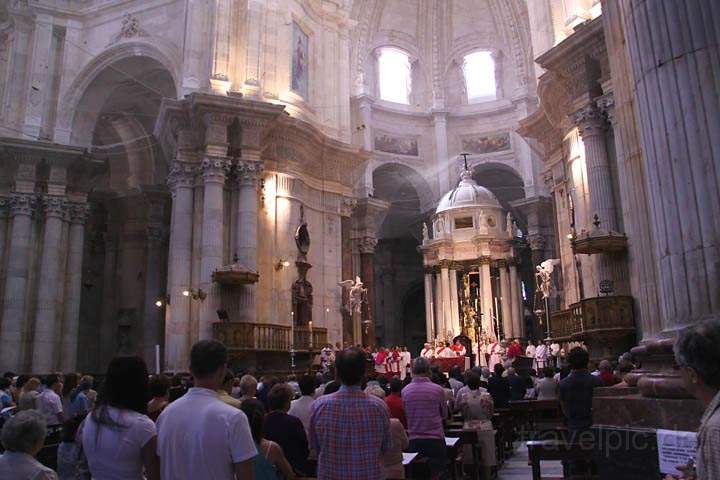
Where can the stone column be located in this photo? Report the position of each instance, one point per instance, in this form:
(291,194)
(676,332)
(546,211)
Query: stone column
(177,313)
(446,320)
(506,301)
(441,154)
(43,358)
(79,213)
(4,231)
(487,297)
(592,126)
(151,313)
(454,314)
(214,170)
(673,49)
(46,315)
(429,316)
(22,206)
(367,269)
(437,299)
(249,170)
(515,310)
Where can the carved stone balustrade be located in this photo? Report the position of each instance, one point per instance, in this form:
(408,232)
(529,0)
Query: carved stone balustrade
(267,337)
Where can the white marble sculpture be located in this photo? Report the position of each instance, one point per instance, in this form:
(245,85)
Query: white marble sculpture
(543,277)
(356,293)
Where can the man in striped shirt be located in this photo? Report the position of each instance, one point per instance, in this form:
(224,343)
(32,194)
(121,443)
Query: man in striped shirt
(425,409)
(349,429)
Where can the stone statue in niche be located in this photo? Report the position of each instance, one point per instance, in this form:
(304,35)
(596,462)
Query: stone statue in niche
(424,232)
(302,295)
(302,289)
(302,237)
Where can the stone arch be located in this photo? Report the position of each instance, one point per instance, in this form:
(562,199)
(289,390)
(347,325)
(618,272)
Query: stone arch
(135,48)
(115,116)
(425,194)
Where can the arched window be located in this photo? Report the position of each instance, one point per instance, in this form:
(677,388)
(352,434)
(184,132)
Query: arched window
(479,71)
(394,75)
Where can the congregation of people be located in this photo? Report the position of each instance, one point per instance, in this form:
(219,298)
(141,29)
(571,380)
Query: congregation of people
(346,421)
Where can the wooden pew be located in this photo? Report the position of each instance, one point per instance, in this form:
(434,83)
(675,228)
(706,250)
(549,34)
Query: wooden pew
(540,450)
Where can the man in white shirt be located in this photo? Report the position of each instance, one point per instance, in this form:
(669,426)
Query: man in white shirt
(49,402)
(301,407)
(542,352)
(200,436)
(530,349)
(405,361)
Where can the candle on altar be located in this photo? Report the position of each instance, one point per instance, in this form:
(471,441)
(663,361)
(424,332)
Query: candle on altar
(157,359)
(311,334)
(432,320)
(292,329)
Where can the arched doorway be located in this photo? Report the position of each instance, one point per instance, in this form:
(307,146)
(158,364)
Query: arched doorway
(398,264)
(125,263)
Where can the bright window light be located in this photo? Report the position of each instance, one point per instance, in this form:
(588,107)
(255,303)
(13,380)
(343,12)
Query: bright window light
(479,71)
(395,80)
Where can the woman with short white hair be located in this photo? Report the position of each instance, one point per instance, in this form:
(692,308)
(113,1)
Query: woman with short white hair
(23,437)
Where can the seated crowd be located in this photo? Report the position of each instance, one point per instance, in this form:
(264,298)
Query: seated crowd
(340,424)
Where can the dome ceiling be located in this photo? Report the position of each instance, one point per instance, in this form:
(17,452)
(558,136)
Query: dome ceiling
(438,31)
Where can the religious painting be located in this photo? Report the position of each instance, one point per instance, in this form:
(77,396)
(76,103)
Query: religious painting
(484,144)
(299,75)
(398,145)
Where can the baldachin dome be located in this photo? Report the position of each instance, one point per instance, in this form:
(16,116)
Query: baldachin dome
(467,194)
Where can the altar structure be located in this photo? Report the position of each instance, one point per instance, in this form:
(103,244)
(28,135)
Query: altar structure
(471,267)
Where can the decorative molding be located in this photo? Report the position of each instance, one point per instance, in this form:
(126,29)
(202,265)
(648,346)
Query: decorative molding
(606,104)
(129,28)
(365,245)
(537,242)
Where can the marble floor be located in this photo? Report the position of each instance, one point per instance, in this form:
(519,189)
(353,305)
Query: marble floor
(517,468)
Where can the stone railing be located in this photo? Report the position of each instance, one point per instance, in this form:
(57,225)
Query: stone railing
(267,337)
(593,315)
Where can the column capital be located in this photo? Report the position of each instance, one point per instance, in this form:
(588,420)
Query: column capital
(445,264)
(537,242)
(22,204)
(589,120)
(54,206)
(248,172)
(215,169)
(78,212)
(365,245)
(182,174)
(4,207)
(484,260)
(606,104)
